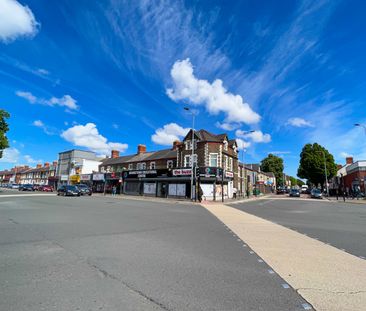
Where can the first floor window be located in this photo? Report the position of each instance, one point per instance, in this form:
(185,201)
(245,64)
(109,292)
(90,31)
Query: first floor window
(187,161)
(213,159)
(169,164)
(130,166)
(152,165)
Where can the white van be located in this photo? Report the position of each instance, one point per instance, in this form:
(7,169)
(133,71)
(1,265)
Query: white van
(304,188)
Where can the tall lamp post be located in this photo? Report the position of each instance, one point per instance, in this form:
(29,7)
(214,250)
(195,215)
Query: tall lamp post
(242,160)
(192,157)
(325,171)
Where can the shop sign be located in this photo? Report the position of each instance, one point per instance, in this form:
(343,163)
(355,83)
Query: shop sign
(64,177)
(182,172)
(85,177)
(75,178)
(142,173)
(229,174)
(98,176)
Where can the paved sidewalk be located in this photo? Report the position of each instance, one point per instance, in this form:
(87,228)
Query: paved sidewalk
(328,278)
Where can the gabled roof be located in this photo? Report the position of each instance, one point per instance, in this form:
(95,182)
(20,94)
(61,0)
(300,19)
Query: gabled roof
(204,135)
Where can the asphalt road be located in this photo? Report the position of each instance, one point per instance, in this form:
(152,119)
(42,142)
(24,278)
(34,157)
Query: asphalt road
(342,225)
(99,253)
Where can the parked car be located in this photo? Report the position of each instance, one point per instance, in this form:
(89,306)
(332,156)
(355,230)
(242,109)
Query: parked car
(14,186)
(45,188)
(68,190)
(295,193)
(84,189)
(27,187)
(37,187)
(316,194)
(281,190)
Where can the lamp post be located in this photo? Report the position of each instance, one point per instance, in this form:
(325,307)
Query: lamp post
(242,160)
(325,171)
(192,157)
(361,125)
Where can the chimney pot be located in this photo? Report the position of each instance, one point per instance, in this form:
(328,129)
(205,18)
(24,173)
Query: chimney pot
(349,160)
(114,154)
(176,144)
(47,164)
(141,149)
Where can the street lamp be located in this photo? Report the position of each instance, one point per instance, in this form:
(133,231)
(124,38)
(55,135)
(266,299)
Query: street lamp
(325,169)
(242,160)
(192,158)
(361,125)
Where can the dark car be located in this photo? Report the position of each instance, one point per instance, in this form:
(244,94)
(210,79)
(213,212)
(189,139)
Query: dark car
(316,194)
(27,187)
(84,189)
(281,190)
(295,193)
(68,190)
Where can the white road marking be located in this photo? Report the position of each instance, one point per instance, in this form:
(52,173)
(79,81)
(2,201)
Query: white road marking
(306,306)
(284,285)
(270,271)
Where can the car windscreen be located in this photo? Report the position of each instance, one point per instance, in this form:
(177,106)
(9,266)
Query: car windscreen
(72,188)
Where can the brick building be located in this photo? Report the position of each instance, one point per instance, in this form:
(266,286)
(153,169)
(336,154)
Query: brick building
(40,175)
(168,172)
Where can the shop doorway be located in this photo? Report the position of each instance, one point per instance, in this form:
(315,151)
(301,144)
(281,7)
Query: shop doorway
(162,190)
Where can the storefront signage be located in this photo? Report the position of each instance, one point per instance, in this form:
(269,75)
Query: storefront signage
(182,172)
(64,177)
(98,176)
(229,174)
(85,177)
(142,172)
(75,178)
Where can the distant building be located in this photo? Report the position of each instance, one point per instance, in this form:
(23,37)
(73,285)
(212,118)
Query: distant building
(72,164)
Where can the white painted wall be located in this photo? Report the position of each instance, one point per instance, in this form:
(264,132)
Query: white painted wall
(89,166)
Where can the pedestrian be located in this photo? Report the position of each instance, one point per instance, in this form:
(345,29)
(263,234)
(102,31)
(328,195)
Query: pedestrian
(200,194)
(234,193)
(114,190)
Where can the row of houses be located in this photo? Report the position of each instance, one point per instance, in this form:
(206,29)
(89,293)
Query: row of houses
(164,173)
(350,177)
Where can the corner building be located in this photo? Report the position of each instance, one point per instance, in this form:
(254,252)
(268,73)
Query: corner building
(168,172)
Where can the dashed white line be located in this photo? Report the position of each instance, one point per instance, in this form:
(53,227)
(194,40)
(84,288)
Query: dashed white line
(251,252)
(260,260)
(270,271)
(306,306)
(284,285)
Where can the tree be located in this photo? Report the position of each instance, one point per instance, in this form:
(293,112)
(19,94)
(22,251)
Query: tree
(312,164)
(293,181)
(300,182)
(273,164)
(4,143)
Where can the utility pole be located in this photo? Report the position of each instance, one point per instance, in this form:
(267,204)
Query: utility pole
(192,156)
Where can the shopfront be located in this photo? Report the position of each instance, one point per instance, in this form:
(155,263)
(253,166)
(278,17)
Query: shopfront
(98,182)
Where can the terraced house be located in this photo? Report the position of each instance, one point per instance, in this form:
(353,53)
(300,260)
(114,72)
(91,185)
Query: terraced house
(40,175)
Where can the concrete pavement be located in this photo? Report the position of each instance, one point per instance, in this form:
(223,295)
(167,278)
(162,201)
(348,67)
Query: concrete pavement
(330,279)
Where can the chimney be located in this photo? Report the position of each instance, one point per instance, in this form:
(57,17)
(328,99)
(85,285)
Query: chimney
(349,160)
(54,163)
(39,166)
(114,154)
(176,144)
(141,149)
(47,164)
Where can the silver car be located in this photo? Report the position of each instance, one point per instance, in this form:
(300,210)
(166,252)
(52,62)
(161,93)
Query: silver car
(316,194)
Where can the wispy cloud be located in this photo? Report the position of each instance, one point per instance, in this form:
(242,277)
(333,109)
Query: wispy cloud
(45,128)
(299,122)
(65,101)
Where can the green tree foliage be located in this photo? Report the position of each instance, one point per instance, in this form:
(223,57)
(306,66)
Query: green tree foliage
(312,164)
(273,164)
(4,127)
(293,181)
(300,182)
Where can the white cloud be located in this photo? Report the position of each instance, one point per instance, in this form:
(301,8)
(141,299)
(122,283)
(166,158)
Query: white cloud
(299,122)
(227,126)
(10,155)
(43,71)
(279,152)
(213,96)
(115,126)
(256,136)
(88,136)
(64,101)
(30,160)
(168,134)
(45,128)
(242,144)
(16,20)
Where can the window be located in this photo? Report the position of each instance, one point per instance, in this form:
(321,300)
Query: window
(169,164)
(213,159)
(225,145)
(141,166)
(188,145)
(225,162)
(152,165)
(130,166)
(230,168)
(187,161)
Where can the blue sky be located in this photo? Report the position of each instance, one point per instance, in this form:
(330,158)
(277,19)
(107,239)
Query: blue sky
(102,75)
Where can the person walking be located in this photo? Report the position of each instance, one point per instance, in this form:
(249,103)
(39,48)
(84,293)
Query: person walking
(200,194)
(114,190)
